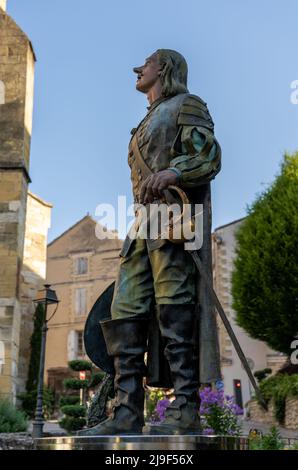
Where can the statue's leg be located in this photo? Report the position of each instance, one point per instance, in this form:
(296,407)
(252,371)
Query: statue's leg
(126,340)
(174,281)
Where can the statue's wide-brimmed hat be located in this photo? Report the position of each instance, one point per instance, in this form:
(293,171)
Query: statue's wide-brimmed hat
(94,341)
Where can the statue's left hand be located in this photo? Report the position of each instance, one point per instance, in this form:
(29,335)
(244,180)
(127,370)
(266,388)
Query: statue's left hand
(155,184)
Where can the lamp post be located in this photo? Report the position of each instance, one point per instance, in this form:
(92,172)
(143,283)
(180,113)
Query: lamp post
(46,296)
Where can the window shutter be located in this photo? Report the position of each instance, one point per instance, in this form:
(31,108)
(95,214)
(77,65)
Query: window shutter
(81,301)
(72,345)
(2,93)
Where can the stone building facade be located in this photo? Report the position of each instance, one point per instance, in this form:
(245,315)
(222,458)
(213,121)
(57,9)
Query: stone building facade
(33,274)
(20,254)
(258,354)
(79,268)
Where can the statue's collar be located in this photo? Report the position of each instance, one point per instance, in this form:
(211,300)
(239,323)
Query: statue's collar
(157,102)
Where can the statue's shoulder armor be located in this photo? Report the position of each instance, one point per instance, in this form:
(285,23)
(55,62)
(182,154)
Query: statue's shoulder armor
(194,112)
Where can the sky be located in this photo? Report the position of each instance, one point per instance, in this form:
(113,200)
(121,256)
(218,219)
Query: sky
(242,58)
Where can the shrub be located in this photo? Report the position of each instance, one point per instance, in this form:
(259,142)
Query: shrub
(270,441)
(75,411)
(69,400)
(11,419)
(80,365)
(262,374)
(69,423)
(29,399)
(75,384)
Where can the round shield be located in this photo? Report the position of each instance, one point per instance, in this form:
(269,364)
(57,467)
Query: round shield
(94,341)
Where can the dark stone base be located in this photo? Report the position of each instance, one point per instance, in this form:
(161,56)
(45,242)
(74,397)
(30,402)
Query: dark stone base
(143,442)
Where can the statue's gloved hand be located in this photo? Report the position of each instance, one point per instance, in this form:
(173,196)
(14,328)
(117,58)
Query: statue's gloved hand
(155,184)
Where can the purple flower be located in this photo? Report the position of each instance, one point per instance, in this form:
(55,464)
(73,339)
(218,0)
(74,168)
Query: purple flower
(219,412)
(161,408)
(208,432)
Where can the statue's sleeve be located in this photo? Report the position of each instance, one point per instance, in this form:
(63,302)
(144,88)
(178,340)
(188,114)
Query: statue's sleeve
(199,160)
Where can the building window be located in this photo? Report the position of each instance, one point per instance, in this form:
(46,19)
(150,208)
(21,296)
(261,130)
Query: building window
(81,301)
(81,266)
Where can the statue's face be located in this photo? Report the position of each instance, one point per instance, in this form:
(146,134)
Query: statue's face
(148,74)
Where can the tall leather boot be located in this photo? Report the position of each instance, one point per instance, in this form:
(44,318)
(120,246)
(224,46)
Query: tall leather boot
(177,326)
(126,341)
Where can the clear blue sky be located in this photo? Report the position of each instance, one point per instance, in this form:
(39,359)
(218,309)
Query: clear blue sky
(242,57)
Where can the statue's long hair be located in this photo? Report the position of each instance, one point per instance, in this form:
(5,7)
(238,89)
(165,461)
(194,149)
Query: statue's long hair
(174,72)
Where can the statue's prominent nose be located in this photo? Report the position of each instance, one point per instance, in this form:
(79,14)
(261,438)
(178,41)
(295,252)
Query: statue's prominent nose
(137,69)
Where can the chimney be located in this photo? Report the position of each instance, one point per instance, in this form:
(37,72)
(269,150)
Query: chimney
(3,4)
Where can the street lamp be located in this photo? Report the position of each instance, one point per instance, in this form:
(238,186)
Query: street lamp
(46,296)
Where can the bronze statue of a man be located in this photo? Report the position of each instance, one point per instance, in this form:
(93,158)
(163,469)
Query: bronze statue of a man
(176,142)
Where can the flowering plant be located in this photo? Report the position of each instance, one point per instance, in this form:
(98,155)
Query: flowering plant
(161,409)
(219,413)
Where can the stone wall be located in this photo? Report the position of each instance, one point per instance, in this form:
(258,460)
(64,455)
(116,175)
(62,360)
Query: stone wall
(16,441)
(291,419)
(16,103)
(258,414)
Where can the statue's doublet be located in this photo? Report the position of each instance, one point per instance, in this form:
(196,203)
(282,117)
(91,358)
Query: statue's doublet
(158,132)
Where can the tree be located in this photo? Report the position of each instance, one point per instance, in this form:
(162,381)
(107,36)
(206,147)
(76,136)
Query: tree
(74,412)
(265,277)
(29,398)
(35,344)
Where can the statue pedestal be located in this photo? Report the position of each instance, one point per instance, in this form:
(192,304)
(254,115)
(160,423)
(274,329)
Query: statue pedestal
(143,442)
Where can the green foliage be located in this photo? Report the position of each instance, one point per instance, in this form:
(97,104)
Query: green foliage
(271,441)
(80,365)
(76,411)
(278,388)
(70,424)
(75,384)
(29,402)
(265,278)
(262,374)
(11,419)
(69,400)
(96,379)
(35,344)
(152,398)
